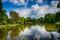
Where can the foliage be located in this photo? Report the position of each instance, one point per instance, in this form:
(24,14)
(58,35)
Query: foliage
(0,5)
(58,5)
(14,16)
(22,20)
(58,16)
(41,19)
(3,16)
(9,21)
(34,20)
(50,18)
(28,19)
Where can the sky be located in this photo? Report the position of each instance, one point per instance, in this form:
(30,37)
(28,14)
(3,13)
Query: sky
(31,8)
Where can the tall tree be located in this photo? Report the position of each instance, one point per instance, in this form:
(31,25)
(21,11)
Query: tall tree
(50,18)
(58,16)
(28,19)
(58,5)
(22,20)
(0,5)
(58,13)
(14,16)
(41,19)
(3,16)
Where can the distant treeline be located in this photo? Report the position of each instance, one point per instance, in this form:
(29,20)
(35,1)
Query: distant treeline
(15,18)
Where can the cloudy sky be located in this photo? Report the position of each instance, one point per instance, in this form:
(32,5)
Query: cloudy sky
(31,8)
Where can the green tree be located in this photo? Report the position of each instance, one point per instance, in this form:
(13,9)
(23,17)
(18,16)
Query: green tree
(9,21)
(33,20)
(0,5)
(3,16)
(58,13)
(41,19)
(22,20)
(58,16)
(58,5)
(28,19)
(50,18)
(15,17)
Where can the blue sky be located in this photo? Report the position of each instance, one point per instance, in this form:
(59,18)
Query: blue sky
(31,8)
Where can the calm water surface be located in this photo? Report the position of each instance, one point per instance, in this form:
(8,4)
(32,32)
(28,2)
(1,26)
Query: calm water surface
(30,32)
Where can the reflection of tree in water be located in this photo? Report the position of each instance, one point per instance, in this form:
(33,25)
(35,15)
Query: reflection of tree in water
(58,25)
(14,32)
(50,27)
(29,26)
(52,36)
(58,28)
(22,27)
(3,34)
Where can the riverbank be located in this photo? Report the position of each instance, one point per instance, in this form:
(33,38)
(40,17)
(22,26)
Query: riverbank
(48,27)
(9,25)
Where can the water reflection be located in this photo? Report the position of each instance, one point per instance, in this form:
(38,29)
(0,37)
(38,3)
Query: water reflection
(3,34)
(34,33)
(30,32)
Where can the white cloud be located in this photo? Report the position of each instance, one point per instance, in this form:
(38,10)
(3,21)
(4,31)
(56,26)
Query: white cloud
(42,10)
(39,1)
(4,0)
(25,12)
(14,1)
(35,7)
(37,11)
(20,2)
(54,3)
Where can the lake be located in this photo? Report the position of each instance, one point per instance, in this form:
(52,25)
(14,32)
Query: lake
(30,32)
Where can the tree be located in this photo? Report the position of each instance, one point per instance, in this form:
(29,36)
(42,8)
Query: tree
(58,13)
(58,16)
(22,20)
(28,19)
(58,5)
(0,5)
(15,17)
(0,11)
(41,19)
(9,21)
(3,16)
(33,20)
(50,18)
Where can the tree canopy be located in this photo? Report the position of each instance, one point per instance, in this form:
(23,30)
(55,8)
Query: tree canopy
(0,5)
(58,5)
(3,16)
(14,16)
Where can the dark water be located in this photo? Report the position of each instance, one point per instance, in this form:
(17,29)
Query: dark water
(30,32)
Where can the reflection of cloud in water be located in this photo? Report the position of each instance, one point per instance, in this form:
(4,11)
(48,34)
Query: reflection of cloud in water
(8,37)
(26,32)
(56,35)
(36,30)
